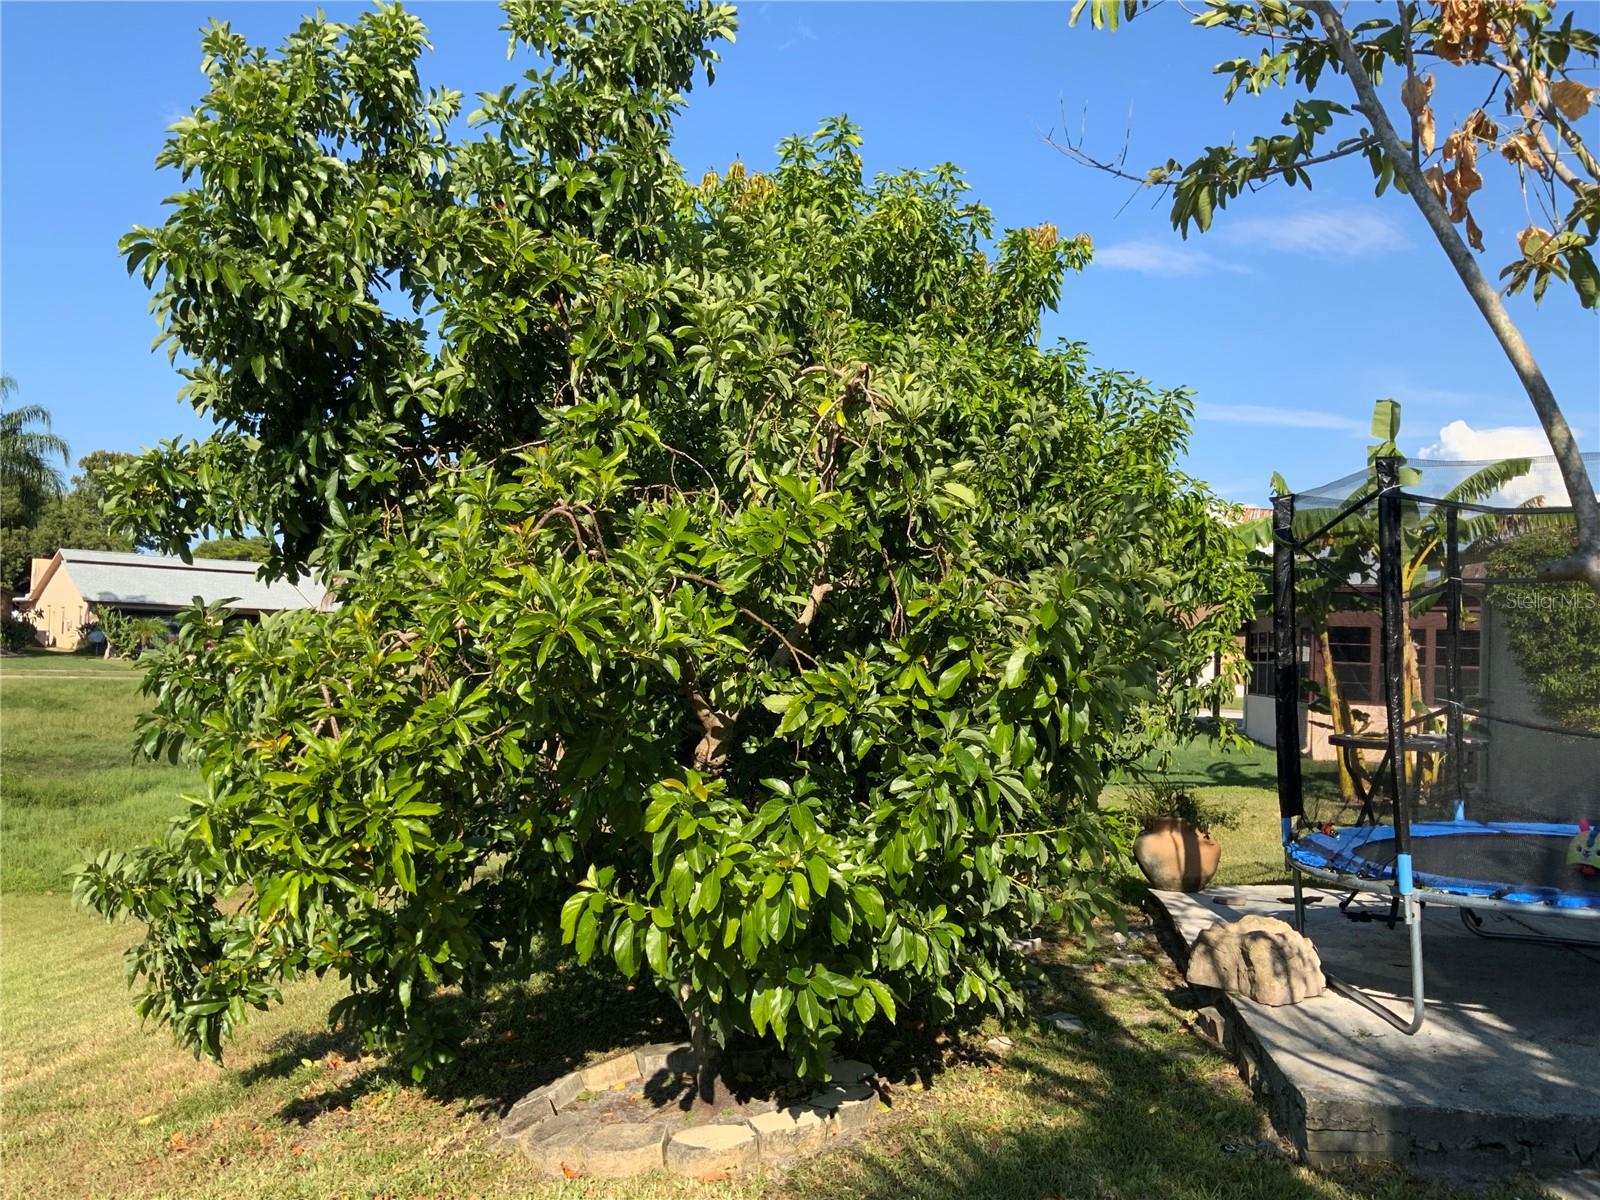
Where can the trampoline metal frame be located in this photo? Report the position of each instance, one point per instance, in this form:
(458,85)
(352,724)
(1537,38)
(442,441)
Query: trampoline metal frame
(1407,900)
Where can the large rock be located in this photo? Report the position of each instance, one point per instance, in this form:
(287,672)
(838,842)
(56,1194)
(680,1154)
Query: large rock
(1259,957)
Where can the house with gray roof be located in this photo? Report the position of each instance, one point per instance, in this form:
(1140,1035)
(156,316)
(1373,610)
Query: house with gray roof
(69,590)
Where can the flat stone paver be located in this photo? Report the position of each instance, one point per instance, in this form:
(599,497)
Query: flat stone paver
(624,1068)
(789,1131)
(557,1146)
(1503,1073)
(1065,1022)
(618,1151)
(710,1149)
(847,1109)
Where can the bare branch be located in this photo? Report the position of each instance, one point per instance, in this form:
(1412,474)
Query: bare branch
(1076,152)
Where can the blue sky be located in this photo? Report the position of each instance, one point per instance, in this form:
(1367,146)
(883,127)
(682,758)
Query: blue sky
(1288,319)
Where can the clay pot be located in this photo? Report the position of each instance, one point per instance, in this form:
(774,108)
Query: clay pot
(1175,856)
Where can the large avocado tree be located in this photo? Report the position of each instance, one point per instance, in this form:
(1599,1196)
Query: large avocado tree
(728,582)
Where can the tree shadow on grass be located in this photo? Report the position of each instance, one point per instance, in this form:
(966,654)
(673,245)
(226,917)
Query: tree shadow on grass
(520,1032)
(1125,1111)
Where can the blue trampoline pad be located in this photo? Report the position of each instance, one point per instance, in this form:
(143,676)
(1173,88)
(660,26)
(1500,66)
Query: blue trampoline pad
(1520,862)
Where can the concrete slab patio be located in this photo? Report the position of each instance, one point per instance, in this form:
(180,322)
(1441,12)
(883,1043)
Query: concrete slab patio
(1506,1072)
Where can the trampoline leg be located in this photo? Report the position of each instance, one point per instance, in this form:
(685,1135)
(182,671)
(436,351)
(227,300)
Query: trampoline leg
(1475,923)
(1418,985)
(1299,903)
(1413,918)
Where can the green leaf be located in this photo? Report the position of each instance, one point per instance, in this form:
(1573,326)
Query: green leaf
(1585,276)
(584,941)
(817,869)
(952,678)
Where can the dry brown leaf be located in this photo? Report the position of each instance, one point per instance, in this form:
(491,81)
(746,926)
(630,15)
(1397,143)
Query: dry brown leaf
(1464,180)
(1425,131)
(1416,92)
(1480,126)
(1523,150)
(1464,30)
(1474,234)
(1572,98)
(1460,146)
(1532,240)
(1435,177)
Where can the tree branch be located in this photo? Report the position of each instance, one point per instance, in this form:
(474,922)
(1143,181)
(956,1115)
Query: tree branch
(799,640)
(1079,155)
(717,731)
(1585,564)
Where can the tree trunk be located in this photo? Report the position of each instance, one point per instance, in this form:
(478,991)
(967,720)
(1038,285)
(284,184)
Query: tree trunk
(1584,565)
(707,1051)
(1348,758)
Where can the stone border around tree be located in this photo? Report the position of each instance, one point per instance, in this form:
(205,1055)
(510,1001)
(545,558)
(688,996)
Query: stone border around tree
(550,1129)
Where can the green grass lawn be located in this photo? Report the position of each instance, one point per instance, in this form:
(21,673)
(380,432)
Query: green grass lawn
(67,772)
(1244,780)
(94,1105)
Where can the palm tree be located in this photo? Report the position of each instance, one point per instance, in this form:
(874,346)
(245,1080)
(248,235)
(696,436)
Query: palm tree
(26,449)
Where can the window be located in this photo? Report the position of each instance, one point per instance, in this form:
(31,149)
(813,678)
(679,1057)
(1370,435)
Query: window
(1264,662)
(1353,663)
(1469,652)
(1258,649)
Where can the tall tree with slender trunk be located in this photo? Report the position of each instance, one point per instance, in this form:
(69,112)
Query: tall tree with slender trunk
(1535,62)
(28,449)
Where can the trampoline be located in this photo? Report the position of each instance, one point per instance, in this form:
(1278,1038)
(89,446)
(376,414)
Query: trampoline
(1472,680)
(1518,862)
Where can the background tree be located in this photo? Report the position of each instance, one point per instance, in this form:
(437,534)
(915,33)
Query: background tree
(1534,64)
(734,588)
(251,549)
(28,476)
(1553,631)
(74,518)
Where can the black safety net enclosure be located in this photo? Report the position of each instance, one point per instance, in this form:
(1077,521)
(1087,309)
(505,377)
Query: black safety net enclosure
(1417,644)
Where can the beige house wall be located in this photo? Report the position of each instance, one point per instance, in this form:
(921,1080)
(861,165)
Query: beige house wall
(59,609)
(1261,724)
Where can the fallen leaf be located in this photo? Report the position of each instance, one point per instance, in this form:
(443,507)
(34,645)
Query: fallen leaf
(713,1176)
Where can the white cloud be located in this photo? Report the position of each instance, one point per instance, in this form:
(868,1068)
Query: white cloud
(802,33)
(1341,232)
(1289,418)
(1459,441)
(1152,256)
